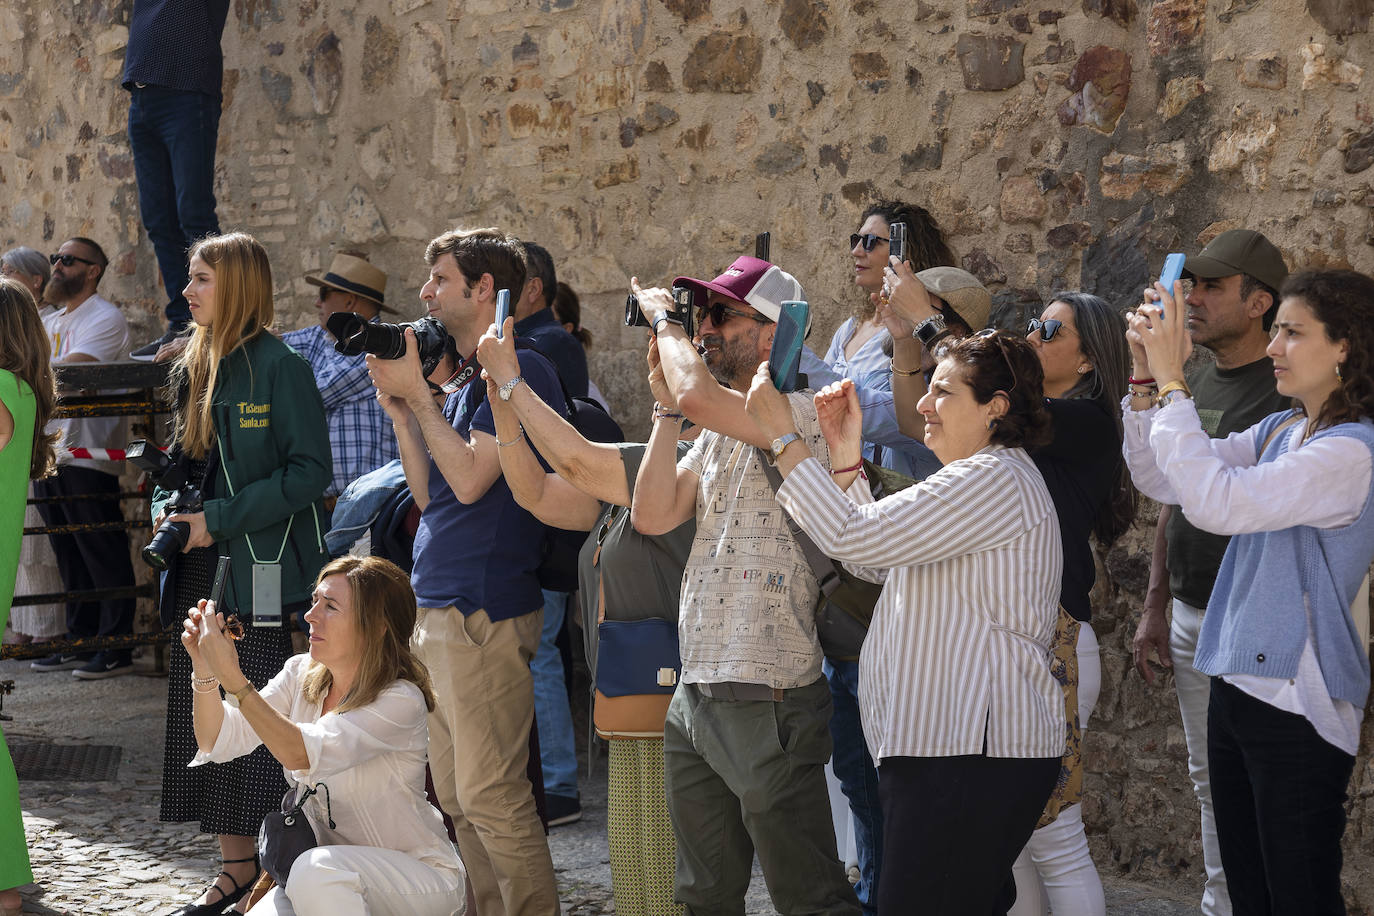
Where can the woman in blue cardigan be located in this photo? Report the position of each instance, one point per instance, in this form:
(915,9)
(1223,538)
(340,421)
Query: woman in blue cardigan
(1285,638)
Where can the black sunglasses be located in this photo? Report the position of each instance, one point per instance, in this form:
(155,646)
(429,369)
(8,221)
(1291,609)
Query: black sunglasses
(1047,328)
(719,311)
(868,239)
(67,259)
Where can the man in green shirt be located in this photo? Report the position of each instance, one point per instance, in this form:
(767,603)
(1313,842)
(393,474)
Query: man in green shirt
(1233,301)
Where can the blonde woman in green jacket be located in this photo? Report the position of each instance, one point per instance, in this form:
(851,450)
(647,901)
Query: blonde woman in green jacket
(250,433)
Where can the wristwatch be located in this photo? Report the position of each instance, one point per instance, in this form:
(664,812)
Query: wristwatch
(779,445)
(931,330)
(1172,391)
(235,698)
(505,390)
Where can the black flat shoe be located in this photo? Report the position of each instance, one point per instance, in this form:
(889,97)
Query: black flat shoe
(225,901)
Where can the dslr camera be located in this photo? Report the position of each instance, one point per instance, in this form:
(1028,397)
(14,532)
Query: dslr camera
(354,334)
(170,538)
(683,312)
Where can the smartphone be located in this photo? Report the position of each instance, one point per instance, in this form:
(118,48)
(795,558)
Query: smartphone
(1171,272)
(896,241)
(502,312)
(785,357)
(762,243)
(220,581)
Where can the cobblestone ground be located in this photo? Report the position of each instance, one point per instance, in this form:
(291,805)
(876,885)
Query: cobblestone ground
(98,847)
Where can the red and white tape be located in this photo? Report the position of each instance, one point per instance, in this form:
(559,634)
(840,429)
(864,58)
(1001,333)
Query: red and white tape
(96,454)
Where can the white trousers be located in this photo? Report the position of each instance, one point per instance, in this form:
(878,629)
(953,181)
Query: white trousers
(1194,693)
(1055,872)
(364,881)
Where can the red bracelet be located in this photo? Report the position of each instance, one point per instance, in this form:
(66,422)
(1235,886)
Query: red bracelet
(858,467)
(1139,381)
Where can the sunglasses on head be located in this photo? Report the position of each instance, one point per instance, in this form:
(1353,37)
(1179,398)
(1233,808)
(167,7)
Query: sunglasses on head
(67,260)
(719,312)
(1047,328)
(1001,342)
(868,240)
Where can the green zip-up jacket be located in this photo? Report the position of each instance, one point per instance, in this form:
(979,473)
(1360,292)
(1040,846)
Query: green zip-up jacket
(273,464)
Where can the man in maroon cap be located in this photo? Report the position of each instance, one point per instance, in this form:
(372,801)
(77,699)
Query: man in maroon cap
(747,735)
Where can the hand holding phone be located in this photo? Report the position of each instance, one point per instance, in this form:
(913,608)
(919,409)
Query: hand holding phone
(502,312)
(896,241)
(217,589)
(1171,273)
(784,358)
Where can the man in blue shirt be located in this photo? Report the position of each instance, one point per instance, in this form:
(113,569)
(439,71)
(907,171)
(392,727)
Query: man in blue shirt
(173,69)
(536,322)
(359,435)
(476,556)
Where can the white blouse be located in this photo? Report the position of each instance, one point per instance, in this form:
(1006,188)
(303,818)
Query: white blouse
(1223,489)
(372,758)
(958,650)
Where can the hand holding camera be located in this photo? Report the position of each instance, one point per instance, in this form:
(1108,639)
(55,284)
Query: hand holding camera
(642,306)
(496,353)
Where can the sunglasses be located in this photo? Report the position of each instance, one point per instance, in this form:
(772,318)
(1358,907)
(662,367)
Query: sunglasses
(1047,328)
(1001,341)
(67,260)
(868,240)
(719,312)
(233,627)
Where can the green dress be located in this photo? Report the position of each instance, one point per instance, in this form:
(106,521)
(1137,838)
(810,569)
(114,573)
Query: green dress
(14,491)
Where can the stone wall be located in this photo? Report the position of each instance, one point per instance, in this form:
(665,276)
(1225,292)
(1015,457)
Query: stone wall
(1060,144)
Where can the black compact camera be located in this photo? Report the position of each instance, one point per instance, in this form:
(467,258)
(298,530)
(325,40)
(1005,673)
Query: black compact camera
(354,334)
(684,311)
(170,538)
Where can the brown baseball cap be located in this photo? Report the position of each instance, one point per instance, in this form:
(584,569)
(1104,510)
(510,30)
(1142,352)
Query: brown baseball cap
(1239,251)
(961,291)
(354,275)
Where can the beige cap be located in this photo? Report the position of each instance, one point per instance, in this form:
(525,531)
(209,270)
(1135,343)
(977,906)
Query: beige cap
(961,291)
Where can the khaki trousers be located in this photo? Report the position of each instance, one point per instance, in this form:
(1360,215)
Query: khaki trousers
(478,750)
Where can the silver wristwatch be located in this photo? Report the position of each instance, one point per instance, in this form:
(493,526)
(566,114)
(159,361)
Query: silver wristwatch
(931,330)
(505,390)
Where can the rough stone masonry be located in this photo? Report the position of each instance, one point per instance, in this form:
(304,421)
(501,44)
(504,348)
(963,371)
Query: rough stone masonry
(1061,143)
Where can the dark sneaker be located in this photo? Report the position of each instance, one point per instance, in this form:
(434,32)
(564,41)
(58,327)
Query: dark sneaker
(562,810)
(146,353)
(60,661)
(105,664)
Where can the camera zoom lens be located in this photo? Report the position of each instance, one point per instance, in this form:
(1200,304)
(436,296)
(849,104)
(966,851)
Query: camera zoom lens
(169,541)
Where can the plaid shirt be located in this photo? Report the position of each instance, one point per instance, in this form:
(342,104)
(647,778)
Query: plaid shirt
(360,433)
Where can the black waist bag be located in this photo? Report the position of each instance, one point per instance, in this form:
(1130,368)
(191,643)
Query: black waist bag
(287,833)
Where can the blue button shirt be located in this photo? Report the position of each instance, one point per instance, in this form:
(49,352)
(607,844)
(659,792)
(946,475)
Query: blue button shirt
(175,44)
(550,338)
(482,556)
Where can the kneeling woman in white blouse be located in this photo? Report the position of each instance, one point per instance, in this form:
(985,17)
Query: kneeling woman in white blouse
(959,708)
(351,714)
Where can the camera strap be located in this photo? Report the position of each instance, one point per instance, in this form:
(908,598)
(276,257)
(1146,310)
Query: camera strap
(464,374)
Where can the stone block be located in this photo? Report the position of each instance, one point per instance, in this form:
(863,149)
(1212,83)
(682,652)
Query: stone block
(927,157)
(836,156)
(618,172)
(1017,243)
(1100,82)
(277,87)
(723,62)
(1120,11)
(990,63)
(381,52)
(1359,154)
(377,155)
(565,46)
(1264,71)
(525,54)
(689,10)
(1341,17)
(1069,235)
(324,71)
(111,40)
(868,65)
(1021,201)
(1247,147)
(1174,24)
(781,157)
(981,264)
(805,22)
(654,116)
(604,90)
(1178,93)
(992,7)
(656,77)
(1320,71)
(362,221)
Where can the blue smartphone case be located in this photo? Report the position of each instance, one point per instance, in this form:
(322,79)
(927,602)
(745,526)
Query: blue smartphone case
(502,312)
(785,356)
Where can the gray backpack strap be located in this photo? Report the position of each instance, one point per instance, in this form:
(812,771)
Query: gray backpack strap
(827,576)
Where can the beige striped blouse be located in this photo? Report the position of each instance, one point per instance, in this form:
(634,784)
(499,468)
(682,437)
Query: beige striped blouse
(959,645)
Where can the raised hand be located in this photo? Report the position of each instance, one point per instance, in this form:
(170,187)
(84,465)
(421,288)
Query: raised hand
(841,421)
(907,296)
(768,406)
(1162,329)
(497,354)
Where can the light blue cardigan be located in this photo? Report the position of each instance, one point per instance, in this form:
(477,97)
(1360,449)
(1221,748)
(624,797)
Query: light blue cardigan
(1255,622)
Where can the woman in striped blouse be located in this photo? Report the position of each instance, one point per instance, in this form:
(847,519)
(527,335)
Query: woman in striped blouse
(958,704)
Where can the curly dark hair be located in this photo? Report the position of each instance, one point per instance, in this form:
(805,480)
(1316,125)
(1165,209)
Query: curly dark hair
(925,243)
(996,362)
(1343,301)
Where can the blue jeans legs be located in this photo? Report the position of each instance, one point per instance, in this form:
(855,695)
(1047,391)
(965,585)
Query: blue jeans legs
(552,715)
(858,777)
(172,134)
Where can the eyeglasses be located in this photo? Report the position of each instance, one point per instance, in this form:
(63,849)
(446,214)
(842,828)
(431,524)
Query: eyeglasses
(1047,328)
(67,259)
(868,240)
(1001,341)
(719,311)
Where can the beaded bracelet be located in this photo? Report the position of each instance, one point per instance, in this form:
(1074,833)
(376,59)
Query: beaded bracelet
(660,413)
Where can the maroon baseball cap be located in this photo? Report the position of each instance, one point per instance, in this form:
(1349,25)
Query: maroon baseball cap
(754,282)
